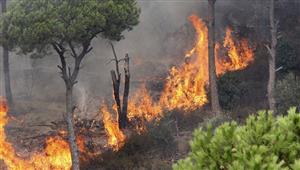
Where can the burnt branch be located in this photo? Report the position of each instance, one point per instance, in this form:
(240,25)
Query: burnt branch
(116,60)
(116,79)
(123,118)
(116,91)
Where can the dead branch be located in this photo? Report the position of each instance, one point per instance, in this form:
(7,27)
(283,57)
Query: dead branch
(116,59)
(116,79)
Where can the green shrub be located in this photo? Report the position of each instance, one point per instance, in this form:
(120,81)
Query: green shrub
(264,142)
(287,92)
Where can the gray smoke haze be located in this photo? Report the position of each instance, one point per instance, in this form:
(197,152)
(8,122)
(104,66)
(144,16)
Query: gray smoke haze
(151,46)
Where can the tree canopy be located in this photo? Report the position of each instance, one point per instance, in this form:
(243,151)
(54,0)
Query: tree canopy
(36,24)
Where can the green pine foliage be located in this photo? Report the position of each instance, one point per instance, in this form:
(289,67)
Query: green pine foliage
(35,24)
(262,143)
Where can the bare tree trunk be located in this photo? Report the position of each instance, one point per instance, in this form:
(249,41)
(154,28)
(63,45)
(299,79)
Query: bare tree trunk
(116,79)
(69,78)
(116,90)
(6,70)
(126,92)
(272,59)
(70,124)
(216,109)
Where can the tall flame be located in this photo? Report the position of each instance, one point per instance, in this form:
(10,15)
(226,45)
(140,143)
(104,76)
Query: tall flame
(116,138)
(185,87)
(56,156)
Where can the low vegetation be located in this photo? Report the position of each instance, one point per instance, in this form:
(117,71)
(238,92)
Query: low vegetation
(150,149)
(263,142)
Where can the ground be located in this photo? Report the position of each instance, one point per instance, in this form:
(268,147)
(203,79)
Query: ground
(158,148)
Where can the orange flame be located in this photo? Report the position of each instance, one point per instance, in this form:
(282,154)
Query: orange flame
(116,138)
(56,155)
(185,87)
(147,109)
(239,54)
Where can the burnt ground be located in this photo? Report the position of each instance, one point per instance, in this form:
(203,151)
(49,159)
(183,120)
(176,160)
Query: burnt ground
(158,148)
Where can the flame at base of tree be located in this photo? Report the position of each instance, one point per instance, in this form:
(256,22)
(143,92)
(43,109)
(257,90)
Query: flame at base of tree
(116,138)
(185,87)
(55,156)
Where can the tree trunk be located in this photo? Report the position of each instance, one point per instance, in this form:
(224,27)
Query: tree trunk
(71,131)
(126,93)
(216,109)
(272,65)
(116,79)
(6,70)
(116,90)
(69,78)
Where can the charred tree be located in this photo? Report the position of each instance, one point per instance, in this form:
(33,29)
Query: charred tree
(69,76)
(272,58)
(116,91)
(6,69)
(116,79)
(126,92)
(215,105)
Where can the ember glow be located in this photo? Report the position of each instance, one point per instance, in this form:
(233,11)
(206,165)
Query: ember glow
(55,156)
(185,87)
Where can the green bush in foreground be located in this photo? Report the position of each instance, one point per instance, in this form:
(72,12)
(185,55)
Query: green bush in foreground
(263,143)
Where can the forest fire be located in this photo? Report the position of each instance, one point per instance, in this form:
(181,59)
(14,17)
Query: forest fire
(185,88)
(55,156)
(82,91)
